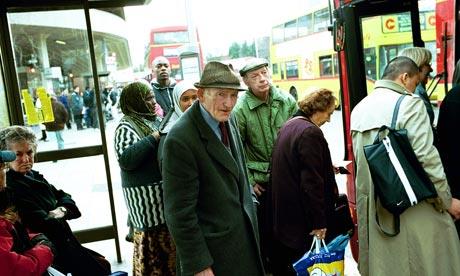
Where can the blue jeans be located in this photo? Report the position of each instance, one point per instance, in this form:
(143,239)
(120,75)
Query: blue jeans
(59,139)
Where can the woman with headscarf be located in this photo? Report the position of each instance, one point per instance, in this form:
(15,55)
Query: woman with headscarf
(136,146)
(184,94)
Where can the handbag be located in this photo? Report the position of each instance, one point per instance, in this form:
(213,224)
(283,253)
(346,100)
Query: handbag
(341,221)
(399,179)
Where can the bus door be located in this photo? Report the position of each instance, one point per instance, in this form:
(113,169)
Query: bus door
(367,34)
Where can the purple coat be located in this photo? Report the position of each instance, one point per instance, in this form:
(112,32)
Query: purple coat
(303,183)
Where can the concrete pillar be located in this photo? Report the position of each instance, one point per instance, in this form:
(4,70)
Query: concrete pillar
(45,61)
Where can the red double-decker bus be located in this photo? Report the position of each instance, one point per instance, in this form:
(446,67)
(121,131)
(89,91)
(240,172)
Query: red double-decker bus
(171,42)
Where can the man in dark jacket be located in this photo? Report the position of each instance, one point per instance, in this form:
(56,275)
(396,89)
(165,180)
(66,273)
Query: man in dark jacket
(208,205)
(449,145)
(163,85)
(60,119)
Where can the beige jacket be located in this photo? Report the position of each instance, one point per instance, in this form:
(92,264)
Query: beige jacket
(426,234)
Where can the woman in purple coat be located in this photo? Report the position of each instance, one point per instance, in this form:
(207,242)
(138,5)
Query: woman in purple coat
(303,181)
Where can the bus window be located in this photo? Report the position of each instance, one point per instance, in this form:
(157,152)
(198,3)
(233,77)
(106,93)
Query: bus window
(292,69)
(370,63)
(278,34)
(321,20)
(171,37)
(335,60)
(305,25)
(282,70)
(275,68)
(389,52)
(325,65)
(290,30)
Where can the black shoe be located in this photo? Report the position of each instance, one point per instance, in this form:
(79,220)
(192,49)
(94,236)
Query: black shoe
(129,238)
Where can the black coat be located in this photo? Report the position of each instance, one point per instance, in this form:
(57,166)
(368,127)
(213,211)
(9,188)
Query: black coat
(208,205)
(449,143)
(34,198)
(303,183)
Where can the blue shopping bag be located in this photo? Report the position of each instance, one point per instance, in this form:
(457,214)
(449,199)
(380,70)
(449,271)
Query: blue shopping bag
(323,260)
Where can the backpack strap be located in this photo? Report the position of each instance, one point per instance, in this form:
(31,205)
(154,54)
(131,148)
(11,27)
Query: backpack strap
(396,111)
(396,220)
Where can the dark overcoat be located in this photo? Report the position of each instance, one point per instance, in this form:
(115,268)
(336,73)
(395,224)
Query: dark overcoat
(449,143)
(303,184)
(208,204)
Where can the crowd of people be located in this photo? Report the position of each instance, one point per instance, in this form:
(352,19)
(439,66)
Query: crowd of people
(221,178)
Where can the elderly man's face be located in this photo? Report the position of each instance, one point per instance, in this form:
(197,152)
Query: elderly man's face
(161,68)
(258,80)
(24,157)
(218,102)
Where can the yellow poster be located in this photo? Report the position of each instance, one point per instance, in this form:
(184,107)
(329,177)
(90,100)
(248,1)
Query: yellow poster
(46,109)
(31,112)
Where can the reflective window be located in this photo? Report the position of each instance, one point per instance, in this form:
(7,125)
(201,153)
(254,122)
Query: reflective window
(4,121)
(325,65)
(290,30)
(278,34)
(275,68)
(292,69)
(89,192)
(171,37)
(305,25)
(321,20)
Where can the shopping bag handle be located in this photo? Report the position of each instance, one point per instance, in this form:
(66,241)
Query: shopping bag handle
(317,244)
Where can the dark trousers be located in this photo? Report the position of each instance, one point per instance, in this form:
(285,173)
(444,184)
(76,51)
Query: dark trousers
(282,259)
(265,226)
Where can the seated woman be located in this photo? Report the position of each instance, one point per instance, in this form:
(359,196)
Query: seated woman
(21,254)
(45,209)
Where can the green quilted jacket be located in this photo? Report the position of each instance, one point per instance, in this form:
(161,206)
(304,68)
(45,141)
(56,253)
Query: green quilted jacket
(259,123)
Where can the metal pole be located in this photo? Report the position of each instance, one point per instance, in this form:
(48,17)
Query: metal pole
(102,126)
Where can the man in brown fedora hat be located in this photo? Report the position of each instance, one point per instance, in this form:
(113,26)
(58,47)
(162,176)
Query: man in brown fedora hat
(208,204)
(260,113)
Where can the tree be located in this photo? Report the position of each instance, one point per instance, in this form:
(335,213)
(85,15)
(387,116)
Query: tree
(234,50)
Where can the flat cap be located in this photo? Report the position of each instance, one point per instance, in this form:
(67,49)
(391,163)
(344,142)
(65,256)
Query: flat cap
(253,64)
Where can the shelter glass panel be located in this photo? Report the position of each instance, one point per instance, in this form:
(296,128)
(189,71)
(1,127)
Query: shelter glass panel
(4,120)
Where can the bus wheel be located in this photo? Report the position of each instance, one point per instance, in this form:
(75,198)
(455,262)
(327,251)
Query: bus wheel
(293,92)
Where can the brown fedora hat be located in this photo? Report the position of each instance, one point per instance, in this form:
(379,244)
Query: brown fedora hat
(219,75)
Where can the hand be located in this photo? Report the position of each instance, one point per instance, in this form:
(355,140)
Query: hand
(206,272)
(156,135)
(336,169)
(41,239)
(454,209)
(258,189)
(56,213)
(319,233)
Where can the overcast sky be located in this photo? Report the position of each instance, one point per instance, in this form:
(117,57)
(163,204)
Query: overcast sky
(219,22)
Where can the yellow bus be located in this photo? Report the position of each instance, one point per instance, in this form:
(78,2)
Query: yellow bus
(302,55)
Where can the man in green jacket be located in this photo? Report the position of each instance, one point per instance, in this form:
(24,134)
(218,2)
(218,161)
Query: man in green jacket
(260,113)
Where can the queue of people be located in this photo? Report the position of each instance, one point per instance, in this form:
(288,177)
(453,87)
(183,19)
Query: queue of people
(221,184)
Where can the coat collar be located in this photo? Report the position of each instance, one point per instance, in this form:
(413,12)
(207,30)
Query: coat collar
(388,84)
(214,147)
(254,102)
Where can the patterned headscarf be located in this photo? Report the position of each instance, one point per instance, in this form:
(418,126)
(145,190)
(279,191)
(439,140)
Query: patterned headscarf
(132,104)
